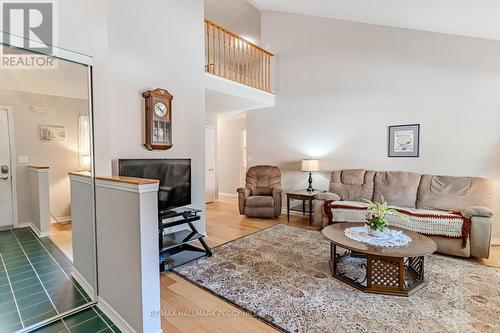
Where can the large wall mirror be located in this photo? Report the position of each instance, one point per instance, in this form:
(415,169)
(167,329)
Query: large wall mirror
(47,220)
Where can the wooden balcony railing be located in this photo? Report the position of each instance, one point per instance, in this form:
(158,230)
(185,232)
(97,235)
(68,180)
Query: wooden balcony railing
(232,57)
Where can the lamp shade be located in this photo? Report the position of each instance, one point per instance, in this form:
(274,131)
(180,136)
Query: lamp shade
(310,165)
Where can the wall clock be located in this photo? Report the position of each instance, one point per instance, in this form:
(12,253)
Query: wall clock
(158,112)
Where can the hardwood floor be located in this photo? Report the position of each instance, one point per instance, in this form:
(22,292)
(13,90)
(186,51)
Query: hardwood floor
(178,296)
(61,236)
(224,222)
(188,308)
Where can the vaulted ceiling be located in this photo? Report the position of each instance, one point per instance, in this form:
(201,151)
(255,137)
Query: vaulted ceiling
(473,18)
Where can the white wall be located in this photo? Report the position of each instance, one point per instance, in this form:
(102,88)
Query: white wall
(229,154)
(160,48)
(61,157)
(340,84)
(138,46)
(238,16)
(68,80)
(82,27)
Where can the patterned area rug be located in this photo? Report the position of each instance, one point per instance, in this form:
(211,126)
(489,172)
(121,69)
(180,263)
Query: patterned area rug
(281,275)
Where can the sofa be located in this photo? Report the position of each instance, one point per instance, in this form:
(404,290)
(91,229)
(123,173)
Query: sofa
(455,212)
(262,194)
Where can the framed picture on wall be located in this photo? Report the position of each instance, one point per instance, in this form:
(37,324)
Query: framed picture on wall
(404,140)
(52,133)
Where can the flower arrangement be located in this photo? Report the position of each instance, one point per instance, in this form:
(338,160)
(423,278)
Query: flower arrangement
(376,216)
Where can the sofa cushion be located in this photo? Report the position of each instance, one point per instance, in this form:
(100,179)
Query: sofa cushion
(398,188)
(259,212)
(260,201)
(430,222)
(427,222)
(454,193)
(262,191)
(353,185)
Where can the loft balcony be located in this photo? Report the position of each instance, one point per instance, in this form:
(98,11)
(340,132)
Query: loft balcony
(234,58)
(238,72)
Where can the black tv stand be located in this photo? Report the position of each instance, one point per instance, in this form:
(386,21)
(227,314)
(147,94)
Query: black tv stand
(176,248)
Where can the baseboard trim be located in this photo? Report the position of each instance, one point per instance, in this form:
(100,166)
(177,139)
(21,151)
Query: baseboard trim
(495,241)
(34,228)
(114,316)
(81,280)
(225,194)
(60,219)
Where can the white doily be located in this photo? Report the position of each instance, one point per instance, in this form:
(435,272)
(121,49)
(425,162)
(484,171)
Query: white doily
(389,238)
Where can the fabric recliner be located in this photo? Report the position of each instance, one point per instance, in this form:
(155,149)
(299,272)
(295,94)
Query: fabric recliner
(262,194)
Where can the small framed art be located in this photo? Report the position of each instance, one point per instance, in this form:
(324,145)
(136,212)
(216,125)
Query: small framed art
(404,140)
(52,133)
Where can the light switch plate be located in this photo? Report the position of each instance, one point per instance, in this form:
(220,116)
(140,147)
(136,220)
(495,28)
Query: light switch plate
(22,159)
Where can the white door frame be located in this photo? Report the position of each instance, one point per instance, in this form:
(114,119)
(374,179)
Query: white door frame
(10,118)
(243,156)
(212,127)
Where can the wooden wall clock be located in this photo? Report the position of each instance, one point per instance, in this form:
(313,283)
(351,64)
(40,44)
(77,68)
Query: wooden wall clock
(158,119)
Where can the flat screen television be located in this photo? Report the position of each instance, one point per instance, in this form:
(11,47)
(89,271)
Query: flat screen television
(174,176)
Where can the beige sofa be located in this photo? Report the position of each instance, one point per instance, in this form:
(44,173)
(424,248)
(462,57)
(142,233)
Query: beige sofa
(440,205)
(262,194)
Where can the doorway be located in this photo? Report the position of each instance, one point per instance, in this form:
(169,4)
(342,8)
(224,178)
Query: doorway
(210,164)
(6,172)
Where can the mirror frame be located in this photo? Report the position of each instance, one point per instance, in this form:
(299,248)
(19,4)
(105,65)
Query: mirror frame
(85,60)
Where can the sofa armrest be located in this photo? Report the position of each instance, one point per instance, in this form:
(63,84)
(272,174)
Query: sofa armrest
(244,191)
(277,190)
(480,236)
(476,211)
(243,194)
(327,196)
(320,219)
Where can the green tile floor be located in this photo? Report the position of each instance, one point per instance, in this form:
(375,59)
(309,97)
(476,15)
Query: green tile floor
(36,284)
(91,320)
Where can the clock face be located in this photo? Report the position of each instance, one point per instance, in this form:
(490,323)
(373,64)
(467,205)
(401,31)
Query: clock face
(160,109)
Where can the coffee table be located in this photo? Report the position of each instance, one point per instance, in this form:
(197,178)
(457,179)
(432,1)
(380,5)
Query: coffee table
(381,270)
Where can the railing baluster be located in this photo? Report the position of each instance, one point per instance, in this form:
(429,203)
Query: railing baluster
(251,65)
(230,76)
(247,63)
(224,50)
(207,45)
(243,63)
(261,71)
(268,73)
(253,68)
(238,61)
(218,49)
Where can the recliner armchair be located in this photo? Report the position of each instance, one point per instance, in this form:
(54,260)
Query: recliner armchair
(262,194)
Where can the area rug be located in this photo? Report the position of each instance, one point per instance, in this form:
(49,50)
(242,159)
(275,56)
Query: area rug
(281,275)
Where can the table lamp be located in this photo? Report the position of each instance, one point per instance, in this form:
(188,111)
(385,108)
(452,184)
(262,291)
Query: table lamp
(310,166)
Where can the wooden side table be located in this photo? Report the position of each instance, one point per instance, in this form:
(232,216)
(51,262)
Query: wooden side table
(304,196)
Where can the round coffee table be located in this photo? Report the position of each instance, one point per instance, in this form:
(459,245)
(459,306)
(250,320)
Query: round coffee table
(381,270)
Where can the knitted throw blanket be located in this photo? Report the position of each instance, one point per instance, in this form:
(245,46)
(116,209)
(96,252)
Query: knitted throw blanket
(426,222)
